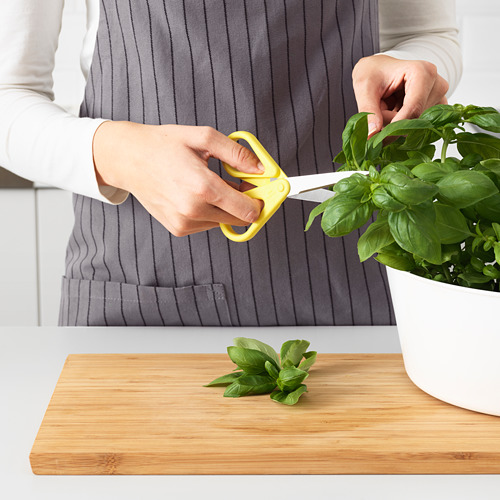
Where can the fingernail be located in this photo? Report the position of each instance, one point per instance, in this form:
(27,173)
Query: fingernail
(260,167)
(372,126)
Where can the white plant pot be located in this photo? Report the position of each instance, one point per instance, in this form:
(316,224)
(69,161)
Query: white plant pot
(450,340)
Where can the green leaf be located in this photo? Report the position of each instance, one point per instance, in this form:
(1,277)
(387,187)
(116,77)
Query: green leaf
(451,225)
(291,378)
(250,360)
(382,199)
(354,139)
(472,110)
(496,228)
(496,248)
(377,236)
(473,277)
(259,346)
(293,350)
(272,370)
(483,145)
(225,379)
(490,121)
(250,384)
(344,215)
(408,191)
(309,360)
(401,127)
(465,187)
(441,114)
(401,262)
(354,186)
(318,210)
(491,272)
(414,230)
(489,208)
(290,398)
(433,171)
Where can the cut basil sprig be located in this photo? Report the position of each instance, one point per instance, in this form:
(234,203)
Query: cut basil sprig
(262,371)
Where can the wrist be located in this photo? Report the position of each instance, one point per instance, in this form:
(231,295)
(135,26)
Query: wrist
(109,150)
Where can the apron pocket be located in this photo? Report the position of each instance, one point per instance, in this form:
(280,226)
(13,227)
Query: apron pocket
(106,303)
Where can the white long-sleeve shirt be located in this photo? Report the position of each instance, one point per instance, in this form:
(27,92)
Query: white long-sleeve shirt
(44,143)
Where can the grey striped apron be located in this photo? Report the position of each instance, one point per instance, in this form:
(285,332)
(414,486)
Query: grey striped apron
(280,69)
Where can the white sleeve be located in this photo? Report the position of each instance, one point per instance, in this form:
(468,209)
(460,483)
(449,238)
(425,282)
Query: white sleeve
(38,139)
(422,30)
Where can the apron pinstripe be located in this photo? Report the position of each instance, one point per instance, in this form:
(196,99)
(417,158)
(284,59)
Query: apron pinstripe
(280,69)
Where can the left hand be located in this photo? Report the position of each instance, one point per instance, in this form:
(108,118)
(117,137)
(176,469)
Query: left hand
(394,89)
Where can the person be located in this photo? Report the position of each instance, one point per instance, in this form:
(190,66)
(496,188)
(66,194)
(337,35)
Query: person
(166,83)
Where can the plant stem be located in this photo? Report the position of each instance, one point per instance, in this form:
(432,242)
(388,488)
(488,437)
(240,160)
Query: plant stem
(446,142)
(446,272)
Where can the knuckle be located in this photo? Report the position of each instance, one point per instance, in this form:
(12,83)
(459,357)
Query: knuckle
(416,110)
(426,68)
(241,154)
(206,134)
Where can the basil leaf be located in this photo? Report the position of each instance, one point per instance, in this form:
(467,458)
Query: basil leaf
(496,247)
(403,263)
(354,186)
(250,360)
(354,139)
(318,210)
(345,215)
(401,127)
(433,171)
(293,350)
(309,360)
(489,208)
(465,187)
(414,231)
(442,114)
(272,370)
(472,110)
(408,191)
(377,236)
(451,225)
(382,199)
(490,121)
(291,378)
(290,398)
(250,384)
(483,145)
(259,346)
(496,228)
(473,277)
(225,379)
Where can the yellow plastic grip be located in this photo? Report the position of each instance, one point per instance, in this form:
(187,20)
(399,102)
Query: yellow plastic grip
(271,192)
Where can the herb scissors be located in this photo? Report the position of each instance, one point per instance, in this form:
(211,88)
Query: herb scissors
(274,187)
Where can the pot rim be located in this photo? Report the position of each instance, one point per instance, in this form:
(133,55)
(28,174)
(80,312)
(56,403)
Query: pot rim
(447,286)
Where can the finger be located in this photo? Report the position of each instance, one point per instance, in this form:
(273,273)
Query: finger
(438,93)
(418,86)
(219,146)
(230,200)
(368,96)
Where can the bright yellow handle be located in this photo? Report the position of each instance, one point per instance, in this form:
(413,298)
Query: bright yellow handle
(271,192)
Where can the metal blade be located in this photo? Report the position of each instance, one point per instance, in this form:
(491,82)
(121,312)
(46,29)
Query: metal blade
(316,195)
(303,183)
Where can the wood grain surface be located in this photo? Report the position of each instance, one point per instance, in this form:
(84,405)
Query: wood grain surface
(149,414)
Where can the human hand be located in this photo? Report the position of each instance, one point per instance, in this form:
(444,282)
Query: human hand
(394,89)
(166,168)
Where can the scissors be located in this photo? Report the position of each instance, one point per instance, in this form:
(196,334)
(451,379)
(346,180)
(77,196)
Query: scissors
(273,187)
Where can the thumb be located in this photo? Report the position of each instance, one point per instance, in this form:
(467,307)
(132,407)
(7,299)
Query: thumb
(234,154)
(369,102)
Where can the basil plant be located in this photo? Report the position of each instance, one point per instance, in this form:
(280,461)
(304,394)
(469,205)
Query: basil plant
(435,217)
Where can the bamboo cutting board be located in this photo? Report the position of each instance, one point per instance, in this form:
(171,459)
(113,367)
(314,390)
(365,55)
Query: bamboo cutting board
(149,414)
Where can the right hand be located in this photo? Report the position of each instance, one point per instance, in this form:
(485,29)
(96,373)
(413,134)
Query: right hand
(166,168)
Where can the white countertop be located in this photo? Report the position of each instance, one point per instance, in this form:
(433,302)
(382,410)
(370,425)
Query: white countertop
(31,359)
